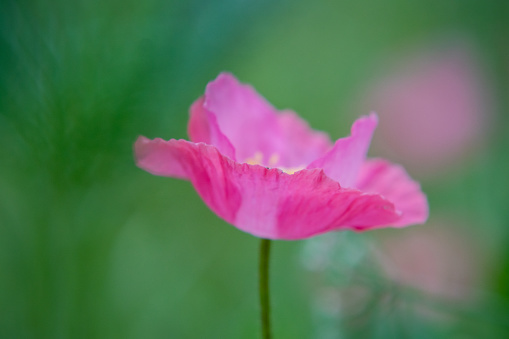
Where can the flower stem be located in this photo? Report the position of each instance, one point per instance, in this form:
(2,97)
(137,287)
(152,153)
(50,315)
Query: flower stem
(264,287)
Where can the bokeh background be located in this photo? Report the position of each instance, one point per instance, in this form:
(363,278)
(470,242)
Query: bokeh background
(93,247)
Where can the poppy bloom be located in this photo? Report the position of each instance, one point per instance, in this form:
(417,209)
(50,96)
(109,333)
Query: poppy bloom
(268,174)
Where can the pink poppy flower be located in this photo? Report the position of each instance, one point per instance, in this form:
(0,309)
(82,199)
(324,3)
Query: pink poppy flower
(267,173)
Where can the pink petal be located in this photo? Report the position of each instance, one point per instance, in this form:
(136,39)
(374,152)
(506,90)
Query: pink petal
(158,157)
(301,144)
(253,126)
(203,165)
(343,161)
(391,181)
(203,127)
(265,202)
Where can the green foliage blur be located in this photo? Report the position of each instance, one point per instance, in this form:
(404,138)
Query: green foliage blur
(93,247)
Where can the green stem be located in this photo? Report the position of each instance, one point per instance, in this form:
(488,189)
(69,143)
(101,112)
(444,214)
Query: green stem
(264,287)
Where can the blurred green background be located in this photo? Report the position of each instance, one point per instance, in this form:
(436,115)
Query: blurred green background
(93,247)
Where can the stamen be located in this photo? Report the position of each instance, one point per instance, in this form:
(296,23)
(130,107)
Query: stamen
(291,170)
(273,160)
(257,159)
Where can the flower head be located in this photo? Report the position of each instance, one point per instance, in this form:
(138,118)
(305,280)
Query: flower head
(267,173)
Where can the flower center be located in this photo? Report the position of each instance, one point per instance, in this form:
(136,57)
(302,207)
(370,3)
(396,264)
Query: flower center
(257,159)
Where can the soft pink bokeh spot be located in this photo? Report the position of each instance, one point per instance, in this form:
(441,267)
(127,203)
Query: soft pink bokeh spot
(269,174)
(434,108)
(439,260)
